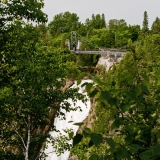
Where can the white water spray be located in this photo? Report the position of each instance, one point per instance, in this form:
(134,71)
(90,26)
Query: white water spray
(61,124)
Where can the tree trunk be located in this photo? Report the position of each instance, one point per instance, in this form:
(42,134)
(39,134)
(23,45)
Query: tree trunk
(29,138)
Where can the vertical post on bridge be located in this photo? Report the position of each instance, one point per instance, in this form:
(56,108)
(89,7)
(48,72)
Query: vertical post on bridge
(73,40)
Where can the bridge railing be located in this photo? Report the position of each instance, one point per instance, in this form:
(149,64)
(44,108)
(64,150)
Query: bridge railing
(104,52)
(117,54)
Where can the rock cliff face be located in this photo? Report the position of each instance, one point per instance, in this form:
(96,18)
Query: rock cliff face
(52,114)
(71,117)
(45,129)
(68,84)
(108,62)
(89,120)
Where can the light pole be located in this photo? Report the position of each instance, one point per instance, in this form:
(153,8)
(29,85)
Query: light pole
(115,39)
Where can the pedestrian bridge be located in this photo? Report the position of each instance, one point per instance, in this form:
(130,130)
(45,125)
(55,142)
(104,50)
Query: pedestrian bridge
(114,53)
(74,45)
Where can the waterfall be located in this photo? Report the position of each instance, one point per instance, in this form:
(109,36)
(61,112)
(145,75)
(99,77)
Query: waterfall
(68,123)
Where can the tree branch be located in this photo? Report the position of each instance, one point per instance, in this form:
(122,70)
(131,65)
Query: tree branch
(13,127)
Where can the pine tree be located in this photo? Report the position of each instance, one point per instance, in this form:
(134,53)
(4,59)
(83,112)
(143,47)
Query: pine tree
(156,26)
(103,21)
(93,21)
(145,22)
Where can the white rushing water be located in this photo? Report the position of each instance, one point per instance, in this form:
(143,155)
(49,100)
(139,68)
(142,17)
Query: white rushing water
(61,124)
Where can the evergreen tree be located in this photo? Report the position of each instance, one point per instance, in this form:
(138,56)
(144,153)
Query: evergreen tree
(156,26)
(93,21)
(98,22)
(145,22)
(103,22)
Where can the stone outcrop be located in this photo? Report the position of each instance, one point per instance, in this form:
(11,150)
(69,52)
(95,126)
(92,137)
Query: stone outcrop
(108,62)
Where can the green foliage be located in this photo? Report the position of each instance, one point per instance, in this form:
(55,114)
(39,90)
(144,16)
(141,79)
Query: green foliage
(61,143)
(96,138)
(77,139)
(130,91)
(11,11)
(64,22)
(156,26)
(95,33)
(145,22)
(134,30)
(115,24)
(97,21)
(32,78)
(109,38)
(84,147)
(126,125)
(30,10)
(34,66)
(87,60)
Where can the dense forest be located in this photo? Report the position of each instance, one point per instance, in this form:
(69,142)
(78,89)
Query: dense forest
(36,64)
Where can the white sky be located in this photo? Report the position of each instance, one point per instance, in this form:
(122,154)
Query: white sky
(129,10)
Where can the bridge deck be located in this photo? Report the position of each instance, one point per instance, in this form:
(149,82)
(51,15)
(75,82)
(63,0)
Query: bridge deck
(105,52)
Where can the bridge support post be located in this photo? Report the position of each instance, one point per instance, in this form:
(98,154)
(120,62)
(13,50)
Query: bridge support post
(67,43)
(73,40)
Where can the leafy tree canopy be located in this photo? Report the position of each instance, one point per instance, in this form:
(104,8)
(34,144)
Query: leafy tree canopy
(21,9)
(32,81)
(64,22)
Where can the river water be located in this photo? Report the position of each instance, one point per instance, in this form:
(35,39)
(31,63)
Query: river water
(71,118)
